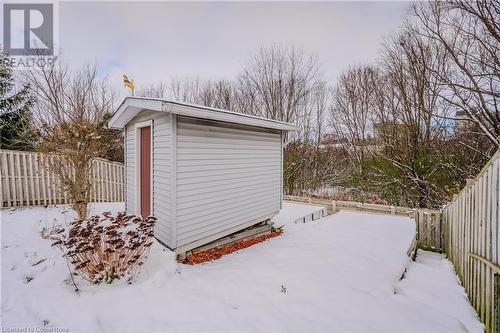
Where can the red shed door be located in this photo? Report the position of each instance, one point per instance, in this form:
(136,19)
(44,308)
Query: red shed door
(145,171)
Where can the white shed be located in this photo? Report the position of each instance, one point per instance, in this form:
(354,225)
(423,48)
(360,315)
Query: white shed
(204,173)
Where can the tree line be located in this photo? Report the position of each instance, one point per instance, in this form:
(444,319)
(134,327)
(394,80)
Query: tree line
(408,128)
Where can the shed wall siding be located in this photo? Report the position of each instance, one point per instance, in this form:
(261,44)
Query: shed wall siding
(225,177)
(162,161)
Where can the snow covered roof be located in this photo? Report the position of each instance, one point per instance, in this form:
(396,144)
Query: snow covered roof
(131,106)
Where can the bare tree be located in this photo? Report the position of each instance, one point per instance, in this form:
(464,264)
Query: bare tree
(324,166)
(469,33)
(413,167)
(218,94)
(285,84)
(224,95)
(307,166)
(276,82)
(351,114)
(71,112)
(154,90)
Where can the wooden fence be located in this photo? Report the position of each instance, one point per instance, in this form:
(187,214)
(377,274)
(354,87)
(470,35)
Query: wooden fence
(471,241)
(429,229)
(25,180)
(336,205)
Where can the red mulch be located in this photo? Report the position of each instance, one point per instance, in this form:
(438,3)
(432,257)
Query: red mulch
(218,252)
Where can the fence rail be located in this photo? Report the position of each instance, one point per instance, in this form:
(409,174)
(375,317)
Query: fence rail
(336,205)
(472,238)
(25,180)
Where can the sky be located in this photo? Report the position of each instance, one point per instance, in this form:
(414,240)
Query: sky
(154,41)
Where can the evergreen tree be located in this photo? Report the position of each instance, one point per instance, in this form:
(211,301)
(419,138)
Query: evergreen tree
(16,131)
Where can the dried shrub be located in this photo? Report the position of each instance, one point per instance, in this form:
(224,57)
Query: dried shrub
(107,248)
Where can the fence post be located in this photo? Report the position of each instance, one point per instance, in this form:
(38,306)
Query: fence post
(334,206)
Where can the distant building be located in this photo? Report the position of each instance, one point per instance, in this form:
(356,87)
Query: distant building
(461,120)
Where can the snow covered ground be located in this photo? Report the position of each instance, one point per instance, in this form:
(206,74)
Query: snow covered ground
(339,273)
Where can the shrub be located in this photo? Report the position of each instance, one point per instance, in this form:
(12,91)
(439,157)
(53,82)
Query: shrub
(108,248)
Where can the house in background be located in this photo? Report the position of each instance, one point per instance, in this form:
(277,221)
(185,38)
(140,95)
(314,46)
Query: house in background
(204,173)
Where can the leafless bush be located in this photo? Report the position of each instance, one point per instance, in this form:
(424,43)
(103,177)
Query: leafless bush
(70,113)
(108,248)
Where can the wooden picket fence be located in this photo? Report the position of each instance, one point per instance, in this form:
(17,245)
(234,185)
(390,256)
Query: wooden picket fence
(471,240)
(25,180)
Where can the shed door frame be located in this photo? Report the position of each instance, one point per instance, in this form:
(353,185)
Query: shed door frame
(138,127)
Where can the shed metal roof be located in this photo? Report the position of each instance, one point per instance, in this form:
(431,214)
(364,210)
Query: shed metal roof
(132,106)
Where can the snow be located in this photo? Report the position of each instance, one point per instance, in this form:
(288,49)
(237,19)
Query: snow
(293,211)
(340,273)
(432,281)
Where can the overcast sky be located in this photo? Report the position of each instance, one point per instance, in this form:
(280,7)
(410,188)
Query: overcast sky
(152,41)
